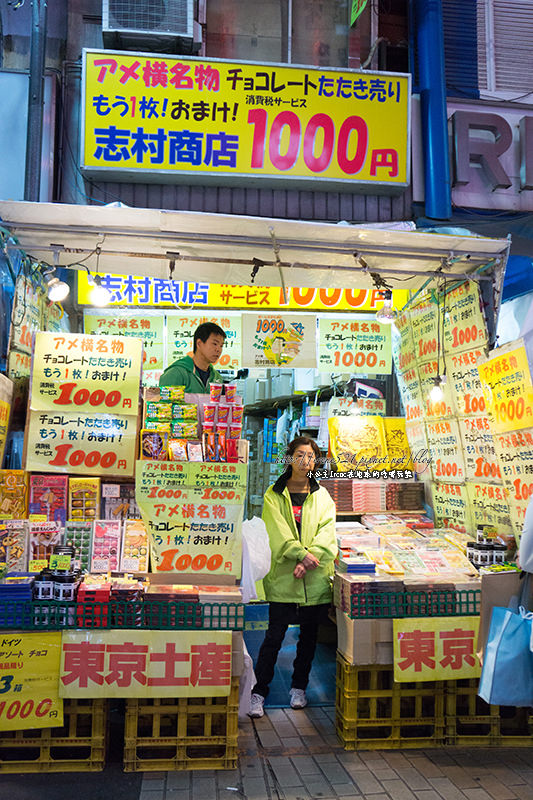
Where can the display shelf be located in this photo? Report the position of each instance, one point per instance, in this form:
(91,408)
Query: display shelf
(380,511)
(325,393)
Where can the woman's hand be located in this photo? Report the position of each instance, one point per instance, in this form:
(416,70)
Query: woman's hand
(299,570)
(310,561)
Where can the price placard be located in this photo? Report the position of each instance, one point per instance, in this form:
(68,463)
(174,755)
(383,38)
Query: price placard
(403,349)
(489,507)
(411,394)
(481,461)
(363,346)
(446,451)
(507,387)
(465,383)
(279,340)
(515,456)
(452,509)
(147,327)
(180,336)
(424,325)
(464,322)
(434,409)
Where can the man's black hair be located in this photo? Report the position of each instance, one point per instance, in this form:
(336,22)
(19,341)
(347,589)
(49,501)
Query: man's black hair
(204,331)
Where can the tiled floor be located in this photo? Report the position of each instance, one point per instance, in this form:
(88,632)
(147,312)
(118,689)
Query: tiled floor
(295,755)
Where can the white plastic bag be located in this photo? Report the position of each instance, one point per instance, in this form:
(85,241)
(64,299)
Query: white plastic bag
(256,556)
(246,684)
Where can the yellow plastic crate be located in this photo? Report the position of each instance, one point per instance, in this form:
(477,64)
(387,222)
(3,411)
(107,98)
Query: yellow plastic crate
(79,745)
(374,712)
(470,721)
(182,733)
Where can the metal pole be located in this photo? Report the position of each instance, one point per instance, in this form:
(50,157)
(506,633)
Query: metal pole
(34,137)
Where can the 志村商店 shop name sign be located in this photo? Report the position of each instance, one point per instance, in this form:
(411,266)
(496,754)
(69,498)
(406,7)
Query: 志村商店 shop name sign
(145,113)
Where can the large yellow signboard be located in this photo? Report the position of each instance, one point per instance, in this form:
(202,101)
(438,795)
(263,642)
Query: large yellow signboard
(439,648)
(197,118)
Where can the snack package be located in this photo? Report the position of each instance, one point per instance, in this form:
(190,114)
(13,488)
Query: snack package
(174,394)
(79,533)
(107,539)
(43,537)
(194,450)
(184,429)
(14,544)
(49,496)
(177,449)
(134,556)
(230,390)
(157,425)
(118,501)
(236,414)
(210,449)
(223,413)
(210,410)
(84,498)
(154,446)
(187,411)
(232,451)
(221,445)
(234,430)
(161,411)
(13,494)
(215,392)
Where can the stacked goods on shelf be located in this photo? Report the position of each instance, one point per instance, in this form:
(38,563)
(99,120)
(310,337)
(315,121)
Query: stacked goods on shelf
(14,542)
(118,501)
(84,498)
(368,495)
(404,496)
(13,494)
(341,492)
(49,497)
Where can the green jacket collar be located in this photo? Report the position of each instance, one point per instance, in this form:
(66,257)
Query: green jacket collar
(281,483)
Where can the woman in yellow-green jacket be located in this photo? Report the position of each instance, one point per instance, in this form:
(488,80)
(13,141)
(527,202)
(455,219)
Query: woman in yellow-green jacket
(300,519)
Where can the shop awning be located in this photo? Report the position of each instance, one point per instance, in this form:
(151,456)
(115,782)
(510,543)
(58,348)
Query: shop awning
(219,248)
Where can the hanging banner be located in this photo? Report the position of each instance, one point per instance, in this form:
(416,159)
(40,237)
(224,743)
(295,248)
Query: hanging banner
(281,340)
(463,377)
(26,315)
(464,322)
(354,346)
(29,680)
(403,349)
(446,450)
(435,649)
(193,513)
(434,409)
(81,444)
(452,510)
(489,506)
(185,663)
(398,451)
(182,118)
(481,461)
(147,327)
(515,456)
(95,374)
(419,447)
(180,337)
(507,387)
(411,394)
(424,326)
(137,290)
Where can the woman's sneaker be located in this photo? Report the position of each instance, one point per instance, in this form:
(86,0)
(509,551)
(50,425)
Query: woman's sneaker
(257,702)
(298,698)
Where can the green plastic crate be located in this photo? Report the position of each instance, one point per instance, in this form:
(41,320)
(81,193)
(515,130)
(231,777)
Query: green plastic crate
(437,603)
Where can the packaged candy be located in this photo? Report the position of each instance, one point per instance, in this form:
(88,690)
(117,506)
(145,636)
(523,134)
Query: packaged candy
(79,534)
(210,450)
(184,429)
(221,427)
(221,445)
(84,498)
(43,537)
(49,496)
(224,412)
(154,446)
(232,451)
(157,425)
(209,412)
(106,545)
(118,501)
(184,411)
(13,494)
(14,544)
(236,413)
(215,392)
(174,394)
(195,451)
(234,430)
(134,547)
(161,411)
(231,392)
(177,450)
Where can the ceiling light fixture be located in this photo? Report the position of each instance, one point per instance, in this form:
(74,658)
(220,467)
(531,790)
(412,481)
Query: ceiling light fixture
(436,394)
(56,289)
(387,314)
(99,296)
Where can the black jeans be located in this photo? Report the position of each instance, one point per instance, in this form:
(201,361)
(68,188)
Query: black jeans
(280,616)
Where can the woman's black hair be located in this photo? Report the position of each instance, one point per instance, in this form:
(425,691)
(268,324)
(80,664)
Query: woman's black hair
(300,441)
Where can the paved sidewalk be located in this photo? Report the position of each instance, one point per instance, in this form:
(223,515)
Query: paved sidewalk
(295,755)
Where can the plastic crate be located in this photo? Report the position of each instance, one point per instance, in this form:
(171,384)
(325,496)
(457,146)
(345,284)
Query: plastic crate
(470,721)
(182,734)
(79,745)
(373,712)
(437,603)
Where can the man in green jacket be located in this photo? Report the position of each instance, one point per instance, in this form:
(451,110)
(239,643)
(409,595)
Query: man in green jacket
(196,373)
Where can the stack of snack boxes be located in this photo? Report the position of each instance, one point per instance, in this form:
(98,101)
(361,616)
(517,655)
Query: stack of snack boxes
(170,428)
(222,426)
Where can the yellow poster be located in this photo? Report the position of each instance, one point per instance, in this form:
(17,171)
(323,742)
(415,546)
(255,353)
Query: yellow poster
(142,663)
(451,505)
(464,323)
(463,376)
(425,329)
(81,444)
(403,349)
(193,513)
(147,327)
(73,372)
(515,457)
(137,290)
(507,387)
(411,394)
(398,450)
(26,316)
(356,346)
(489,507)
(180,336)
(190,117)
(29,680)
(18,365)
(279,340)
(435,408)
(446,451)
(358,443)
(435,649)
(420,453)
(481,461)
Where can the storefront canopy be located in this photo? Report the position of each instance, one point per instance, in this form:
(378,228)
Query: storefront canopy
(219,248)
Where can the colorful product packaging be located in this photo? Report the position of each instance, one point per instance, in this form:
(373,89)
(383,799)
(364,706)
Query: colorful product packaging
(107,540)
(43,537)
(231,392)
(157,425)
(177,450)
(184,429)
(224,413)
(174,394)
(210,448)
(160,411)
(237,413)
(154,446)
(234,430)
(49,496)
(184,411)
(210,410)
(84,498)
(118,501)
(195,451)
(14,544)
(232,451)
(79,533)
(221,443)
(215,392)
(134,557)
(13,494)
